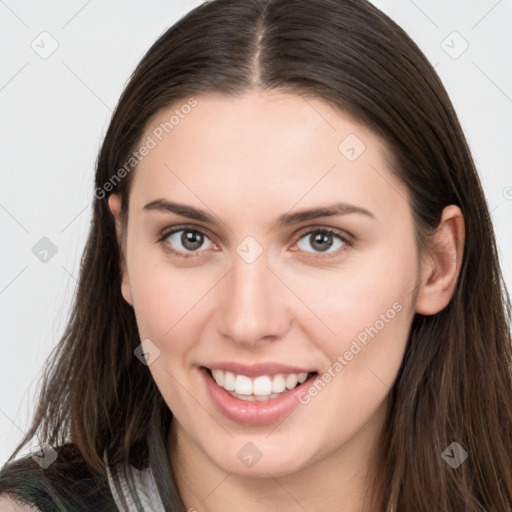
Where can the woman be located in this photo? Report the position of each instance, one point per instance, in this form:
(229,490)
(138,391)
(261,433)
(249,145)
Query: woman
(277,304)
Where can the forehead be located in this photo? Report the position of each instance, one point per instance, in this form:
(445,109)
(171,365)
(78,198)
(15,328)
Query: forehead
(281,147)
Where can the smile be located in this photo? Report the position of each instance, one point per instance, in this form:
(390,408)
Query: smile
(265,397)
(263,387)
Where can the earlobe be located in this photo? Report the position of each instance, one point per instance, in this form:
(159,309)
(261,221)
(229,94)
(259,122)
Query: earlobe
(441,266)
(114,204)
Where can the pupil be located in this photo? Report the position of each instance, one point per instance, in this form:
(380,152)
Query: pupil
(191,240)
(322,241)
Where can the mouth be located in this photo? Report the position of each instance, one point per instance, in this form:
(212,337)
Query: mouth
(257,400)
(260,388)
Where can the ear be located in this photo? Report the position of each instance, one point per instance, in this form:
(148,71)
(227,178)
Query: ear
(114,204)
(441,266)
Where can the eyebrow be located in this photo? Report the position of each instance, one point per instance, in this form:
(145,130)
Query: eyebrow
(286,219)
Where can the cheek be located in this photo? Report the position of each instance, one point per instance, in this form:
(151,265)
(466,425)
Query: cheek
(370,310)
(163,296)
(167,302)
(363,311)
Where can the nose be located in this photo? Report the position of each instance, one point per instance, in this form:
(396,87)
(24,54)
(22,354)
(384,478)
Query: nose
(252,307)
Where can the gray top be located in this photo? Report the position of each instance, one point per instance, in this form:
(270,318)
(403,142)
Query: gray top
(146,490)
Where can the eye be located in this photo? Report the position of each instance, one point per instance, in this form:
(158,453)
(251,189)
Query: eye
(183,240)
(323,240)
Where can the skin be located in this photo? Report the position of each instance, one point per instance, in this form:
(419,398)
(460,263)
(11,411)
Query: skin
(7,504)
(246,161)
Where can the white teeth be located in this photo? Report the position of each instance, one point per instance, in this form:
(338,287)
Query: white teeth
(260,388)
(229,381)
(243,385)
(291,380)
(302,377)
(218,376)
(278,385)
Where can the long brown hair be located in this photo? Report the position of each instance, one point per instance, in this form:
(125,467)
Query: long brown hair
(455,382)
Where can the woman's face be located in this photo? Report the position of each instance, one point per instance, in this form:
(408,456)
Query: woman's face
(292,253)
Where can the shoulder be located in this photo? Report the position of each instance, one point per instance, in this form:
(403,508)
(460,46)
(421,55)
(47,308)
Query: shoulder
(67,483)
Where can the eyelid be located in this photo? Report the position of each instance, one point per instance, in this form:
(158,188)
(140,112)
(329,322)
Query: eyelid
(167,232)
(346,238)
(343,235)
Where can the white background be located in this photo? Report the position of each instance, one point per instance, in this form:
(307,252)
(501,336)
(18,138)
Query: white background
(55,111)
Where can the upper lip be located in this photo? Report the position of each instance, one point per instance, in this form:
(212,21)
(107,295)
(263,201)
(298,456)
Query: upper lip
(254,370)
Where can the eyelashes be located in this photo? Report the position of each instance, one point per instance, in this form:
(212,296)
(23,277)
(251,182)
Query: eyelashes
(197,235)
(193,239)
(321,236)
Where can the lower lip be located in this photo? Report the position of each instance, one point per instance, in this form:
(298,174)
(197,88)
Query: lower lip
(255,413)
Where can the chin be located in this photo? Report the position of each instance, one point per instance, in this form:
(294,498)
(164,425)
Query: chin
(249,460)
